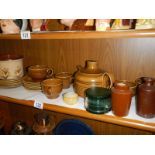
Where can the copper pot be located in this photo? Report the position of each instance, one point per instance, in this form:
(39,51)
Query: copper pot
(91,76)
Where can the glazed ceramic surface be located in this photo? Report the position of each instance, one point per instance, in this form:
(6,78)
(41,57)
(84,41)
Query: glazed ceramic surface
(121,99)
(132,85)
(39,72)
(91,76)
(11,66)
(146,98)
(43,123)
(66,79)
(98,100)
(51,87)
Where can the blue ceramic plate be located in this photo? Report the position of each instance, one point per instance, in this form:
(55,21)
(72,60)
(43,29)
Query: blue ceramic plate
(72,127)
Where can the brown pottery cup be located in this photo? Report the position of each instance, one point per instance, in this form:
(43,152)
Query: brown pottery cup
(66,78)
(52,87)
(39,72)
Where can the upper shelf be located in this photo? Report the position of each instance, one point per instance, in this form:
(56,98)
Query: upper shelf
(85,34)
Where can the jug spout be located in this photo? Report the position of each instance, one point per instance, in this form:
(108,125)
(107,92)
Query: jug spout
(91,64)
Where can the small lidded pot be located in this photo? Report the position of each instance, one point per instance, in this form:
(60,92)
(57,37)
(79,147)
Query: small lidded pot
(98,100)
(70,98)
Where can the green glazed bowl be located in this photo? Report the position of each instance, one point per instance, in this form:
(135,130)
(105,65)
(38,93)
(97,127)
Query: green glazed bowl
(98,100)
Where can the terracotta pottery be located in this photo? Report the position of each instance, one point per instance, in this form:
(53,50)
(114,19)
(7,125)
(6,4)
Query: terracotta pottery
(121,99)
(91,76)
(146,98)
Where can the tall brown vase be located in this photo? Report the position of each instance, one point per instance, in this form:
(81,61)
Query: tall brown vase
(146,98)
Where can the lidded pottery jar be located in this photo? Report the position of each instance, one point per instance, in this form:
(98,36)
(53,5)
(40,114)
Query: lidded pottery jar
(121,99)
(146,98)
(91,76)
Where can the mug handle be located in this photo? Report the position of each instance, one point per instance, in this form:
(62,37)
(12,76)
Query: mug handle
(50,72)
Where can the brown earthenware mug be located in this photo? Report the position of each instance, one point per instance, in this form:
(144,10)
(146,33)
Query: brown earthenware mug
(51,87)
(65,77)
(39,72)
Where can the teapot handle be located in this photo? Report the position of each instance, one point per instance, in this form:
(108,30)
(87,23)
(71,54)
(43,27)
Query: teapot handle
(79,67)
(111,79)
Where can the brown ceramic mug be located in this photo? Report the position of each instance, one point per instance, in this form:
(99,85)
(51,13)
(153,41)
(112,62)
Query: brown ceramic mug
(65,77)
(51,87)
(39,72)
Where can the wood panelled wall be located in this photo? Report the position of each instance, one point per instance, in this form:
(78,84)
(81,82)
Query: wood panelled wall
(126,58)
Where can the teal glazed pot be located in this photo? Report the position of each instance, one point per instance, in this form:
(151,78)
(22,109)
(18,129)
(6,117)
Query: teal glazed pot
(98,100)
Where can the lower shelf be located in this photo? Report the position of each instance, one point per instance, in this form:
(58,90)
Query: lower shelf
(26,97)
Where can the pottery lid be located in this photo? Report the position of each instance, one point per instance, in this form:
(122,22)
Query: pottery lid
(98,92)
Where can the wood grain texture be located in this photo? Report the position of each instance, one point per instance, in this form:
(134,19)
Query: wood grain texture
(126,58)
(83,34)
(5,114)
(25,113)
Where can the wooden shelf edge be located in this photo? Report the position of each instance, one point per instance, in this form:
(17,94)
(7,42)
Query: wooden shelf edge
(85,34)
(77,112)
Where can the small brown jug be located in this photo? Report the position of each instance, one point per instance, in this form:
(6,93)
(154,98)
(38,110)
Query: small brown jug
(146,98)
(43,124)
(91,76)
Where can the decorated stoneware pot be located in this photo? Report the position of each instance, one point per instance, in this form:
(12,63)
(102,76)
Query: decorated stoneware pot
(11,66)
(91,76)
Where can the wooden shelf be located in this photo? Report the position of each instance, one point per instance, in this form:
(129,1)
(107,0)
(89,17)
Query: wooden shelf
(85,34)
(147,126)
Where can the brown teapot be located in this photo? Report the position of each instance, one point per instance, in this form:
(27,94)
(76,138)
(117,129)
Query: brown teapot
(91,76)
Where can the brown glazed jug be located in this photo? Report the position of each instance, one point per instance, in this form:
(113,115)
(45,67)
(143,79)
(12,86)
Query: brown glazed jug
(121,99)
(146,98)
(91,76)
(43,124)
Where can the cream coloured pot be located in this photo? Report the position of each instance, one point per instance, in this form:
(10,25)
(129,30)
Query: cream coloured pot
(11,66)
(91,76)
